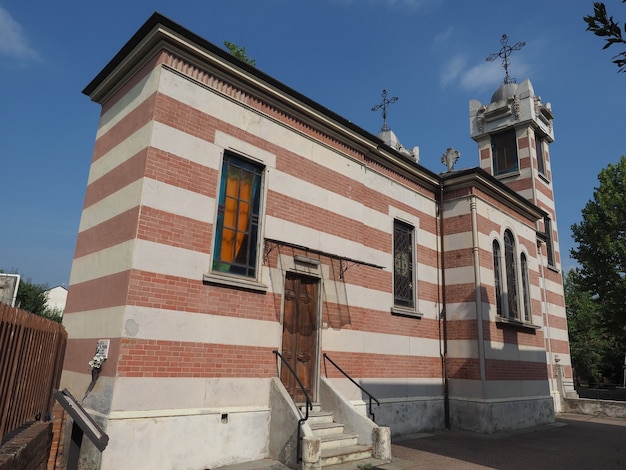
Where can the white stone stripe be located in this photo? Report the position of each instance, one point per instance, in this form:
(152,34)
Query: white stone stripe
(178,201)
(168,325)
(463,310)
(542,198)
(509,391)
(228,141)
(463,275)
(319,197)
(158,195)
(353,341)
(179,412)
(232,393)
(286,231)
(112,205)
(130,146)
(185,145)
(143,255)
(102,263)
(514,352)
(558,334)
(145,88)
(98,323)
(463,348)
(553,286)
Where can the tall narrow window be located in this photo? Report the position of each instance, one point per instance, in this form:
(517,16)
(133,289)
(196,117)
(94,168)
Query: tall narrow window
(525,287)
(547,223)
(511,275)
(236,238)
(497,275)
(504,151)
(403,289)
(541,162)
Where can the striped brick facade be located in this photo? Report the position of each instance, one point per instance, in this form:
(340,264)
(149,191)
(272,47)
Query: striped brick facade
(189,346)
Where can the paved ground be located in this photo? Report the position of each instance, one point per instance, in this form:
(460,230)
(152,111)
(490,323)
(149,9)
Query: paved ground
(574,442)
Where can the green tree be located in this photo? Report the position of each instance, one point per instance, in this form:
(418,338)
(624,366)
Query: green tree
(239,52)
(31,297)
(604,26)
(601,250)
(594,350)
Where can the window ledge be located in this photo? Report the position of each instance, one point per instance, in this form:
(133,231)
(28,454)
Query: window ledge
(232,281)
(508,174)
(507,322)
(406,312)
(553,268)
(543,177)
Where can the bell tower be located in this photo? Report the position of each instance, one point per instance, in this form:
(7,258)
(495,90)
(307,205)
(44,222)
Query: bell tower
(514,132)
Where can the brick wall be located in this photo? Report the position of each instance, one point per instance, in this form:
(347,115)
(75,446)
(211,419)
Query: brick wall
(28,449)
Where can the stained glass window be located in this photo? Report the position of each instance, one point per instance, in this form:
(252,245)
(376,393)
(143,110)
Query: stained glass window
(403,265)
(236,239)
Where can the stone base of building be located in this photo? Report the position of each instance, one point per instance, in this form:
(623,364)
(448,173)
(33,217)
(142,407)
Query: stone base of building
(488,417)
(407,416)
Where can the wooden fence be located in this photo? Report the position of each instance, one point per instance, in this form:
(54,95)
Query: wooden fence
(31,359)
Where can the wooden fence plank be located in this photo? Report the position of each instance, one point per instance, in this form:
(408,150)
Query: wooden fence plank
(31,360)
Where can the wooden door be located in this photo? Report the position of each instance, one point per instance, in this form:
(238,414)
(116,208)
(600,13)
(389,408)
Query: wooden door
(300,335)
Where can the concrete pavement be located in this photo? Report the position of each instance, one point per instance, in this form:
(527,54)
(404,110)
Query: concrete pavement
(576,442)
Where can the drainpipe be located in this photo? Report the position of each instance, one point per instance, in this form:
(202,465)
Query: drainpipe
(444,320)
(545,321)
(479,295)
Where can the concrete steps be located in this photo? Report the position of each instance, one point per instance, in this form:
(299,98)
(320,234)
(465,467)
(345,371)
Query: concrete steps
(337,446)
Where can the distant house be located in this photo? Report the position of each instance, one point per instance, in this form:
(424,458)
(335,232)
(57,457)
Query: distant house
(57,296)
(229,219)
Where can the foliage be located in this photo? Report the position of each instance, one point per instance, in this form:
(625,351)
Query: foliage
(603,25)
(601,251)
(239,52)
(594,351)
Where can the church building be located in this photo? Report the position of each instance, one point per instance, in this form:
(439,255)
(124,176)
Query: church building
(268,280)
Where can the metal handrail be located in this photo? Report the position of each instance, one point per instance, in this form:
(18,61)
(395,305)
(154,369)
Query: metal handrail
(352,380)
(306,395)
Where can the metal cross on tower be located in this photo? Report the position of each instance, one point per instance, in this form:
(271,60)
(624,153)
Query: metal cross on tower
(384,104)
(504,53)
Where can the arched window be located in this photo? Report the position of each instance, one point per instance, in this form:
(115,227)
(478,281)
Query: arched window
(497,275)
(525,287)
(511,275)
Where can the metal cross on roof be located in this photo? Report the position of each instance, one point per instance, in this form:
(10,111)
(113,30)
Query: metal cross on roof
(384,104)
(504,53)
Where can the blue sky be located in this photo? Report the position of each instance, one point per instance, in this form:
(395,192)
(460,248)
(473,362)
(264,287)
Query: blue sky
(340,53)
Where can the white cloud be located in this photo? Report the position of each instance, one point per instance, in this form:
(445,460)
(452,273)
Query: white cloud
(443,36)
(13,42)
(484,75)
(452,70)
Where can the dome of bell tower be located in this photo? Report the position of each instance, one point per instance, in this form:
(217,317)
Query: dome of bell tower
(505,92)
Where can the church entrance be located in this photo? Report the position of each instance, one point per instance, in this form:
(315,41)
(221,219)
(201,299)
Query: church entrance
(300,325)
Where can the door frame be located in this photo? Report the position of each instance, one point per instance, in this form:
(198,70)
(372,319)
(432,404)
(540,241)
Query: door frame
(318,333)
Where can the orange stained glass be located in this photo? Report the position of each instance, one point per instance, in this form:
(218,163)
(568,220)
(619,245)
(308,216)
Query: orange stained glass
(237,208)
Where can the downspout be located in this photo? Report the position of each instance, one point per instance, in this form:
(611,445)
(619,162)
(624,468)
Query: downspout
(479,295)
(444,320)
(545,317)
